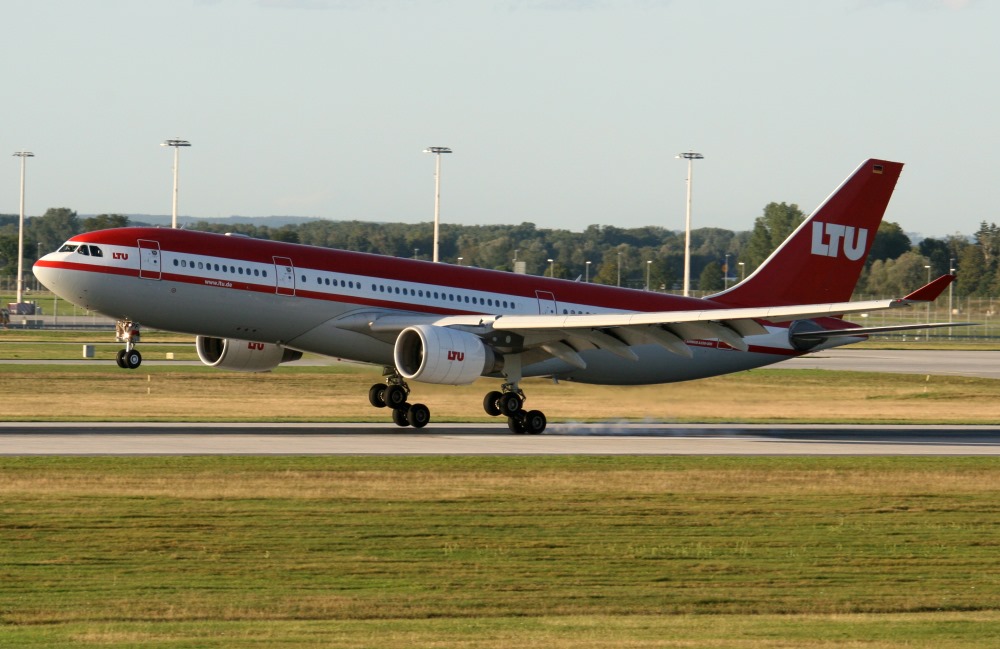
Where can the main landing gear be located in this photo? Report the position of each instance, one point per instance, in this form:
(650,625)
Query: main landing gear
(509,401)
(127,332)
(393,394)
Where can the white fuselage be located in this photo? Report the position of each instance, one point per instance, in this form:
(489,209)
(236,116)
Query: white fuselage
(321,301)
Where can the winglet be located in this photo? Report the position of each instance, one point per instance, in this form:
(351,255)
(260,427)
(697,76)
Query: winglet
(931,291)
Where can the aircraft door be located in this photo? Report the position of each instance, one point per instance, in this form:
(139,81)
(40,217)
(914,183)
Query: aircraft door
(546,303)
(149,259)
(285,273)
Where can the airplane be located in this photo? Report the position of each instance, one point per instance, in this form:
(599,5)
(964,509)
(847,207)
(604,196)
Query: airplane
(253,304)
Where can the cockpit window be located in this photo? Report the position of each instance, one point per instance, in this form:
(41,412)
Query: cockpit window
(83,249)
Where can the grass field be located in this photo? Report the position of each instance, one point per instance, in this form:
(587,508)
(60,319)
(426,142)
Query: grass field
(592,552)
(103,392)
(499,552)
(100,391)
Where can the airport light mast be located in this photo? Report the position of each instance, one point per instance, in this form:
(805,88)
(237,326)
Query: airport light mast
(437,151)
(23,155)
(690,156)
(176,143)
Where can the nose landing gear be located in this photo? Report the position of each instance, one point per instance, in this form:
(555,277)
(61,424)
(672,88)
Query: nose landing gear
(127,332)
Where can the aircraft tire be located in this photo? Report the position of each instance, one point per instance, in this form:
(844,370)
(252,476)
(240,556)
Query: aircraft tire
(490,403)
(534,422)
(133,359)
(395,396)
(399,418)
(516,425)
(418,415)
(120,359)
(376,395)
(509,403)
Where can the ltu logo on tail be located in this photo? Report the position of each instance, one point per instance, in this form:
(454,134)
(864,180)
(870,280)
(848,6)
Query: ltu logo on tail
(456,356)
(827,238)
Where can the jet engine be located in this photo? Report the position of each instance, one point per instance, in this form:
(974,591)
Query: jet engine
(242,355)
(435,354)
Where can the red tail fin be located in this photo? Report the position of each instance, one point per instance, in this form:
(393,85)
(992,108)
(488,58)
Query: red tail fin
(822,260)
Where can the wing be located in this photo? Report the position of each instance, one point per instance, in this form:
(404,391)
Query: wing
(565,336)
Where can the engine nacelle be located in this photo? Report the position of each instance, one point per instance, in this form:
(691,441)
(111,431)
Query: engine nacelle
(442,355)
(242,355)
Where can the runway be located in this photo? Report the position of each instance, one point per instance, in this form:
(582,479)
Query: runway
(126,439)
(608,438)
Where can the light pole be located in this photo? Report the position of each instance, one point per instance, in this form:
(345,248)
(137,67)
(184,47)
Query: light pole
(460,260)
(649,264)
(690,156)
(928,304)
(177,144)
(20,229)
(619,268)
(437,151)
(552,270)
(743,269)
(725,274)
(951,285)
(587,271)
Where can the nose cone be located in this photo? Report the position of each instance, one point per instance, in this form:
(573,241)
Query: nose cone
(45,274)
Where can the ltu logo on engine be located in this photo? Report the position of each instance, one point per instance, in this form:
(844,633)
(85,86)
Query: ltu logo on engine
(456,356)
(827,238)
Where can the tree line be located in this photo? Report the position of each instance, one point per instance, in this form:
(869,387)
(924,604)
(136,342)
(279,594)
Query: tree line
(603,254)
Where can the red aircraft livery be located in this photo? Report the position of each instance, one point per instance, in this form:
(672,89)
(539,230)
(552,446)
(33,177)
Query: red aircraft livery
(254,304)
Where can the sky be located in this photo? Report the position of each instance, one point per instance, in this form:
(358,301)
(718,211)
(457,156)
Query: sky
(563,113)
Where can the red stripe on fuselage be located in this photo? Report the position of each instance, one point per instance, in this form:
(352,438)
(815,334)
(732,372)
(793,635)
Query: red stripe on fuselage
(394,268)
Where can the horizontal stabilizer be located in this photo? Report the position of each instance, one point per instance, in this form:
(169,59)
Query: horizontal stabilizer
(865,331)
(931,291)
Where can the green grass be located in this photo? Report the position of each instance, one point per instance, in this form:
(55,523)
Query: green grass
(497,552)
